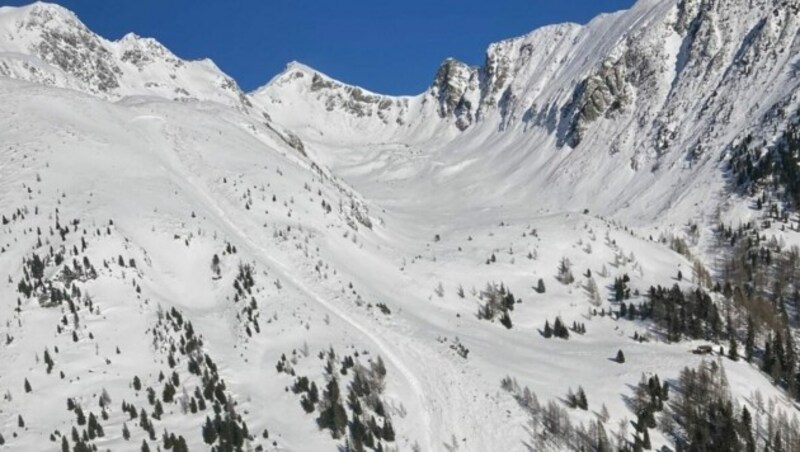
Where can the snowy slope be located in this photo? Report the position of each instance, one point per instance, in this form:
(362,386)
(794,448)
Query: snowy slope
(360,218)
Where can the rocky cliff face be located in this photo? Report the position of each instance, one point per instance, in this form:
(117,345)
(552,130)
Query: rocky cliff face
(455,89)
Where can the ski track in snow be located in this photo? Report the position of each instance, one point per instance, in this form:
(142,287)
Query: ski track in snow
(175,166)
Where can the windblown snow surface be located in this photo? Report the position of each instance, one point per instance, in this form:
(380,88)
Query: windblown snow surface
(586,142)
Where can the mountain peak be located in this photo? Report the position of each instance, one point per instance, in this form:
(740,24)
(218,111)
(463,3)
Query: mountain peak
(42,9)
(43,15)
(295,65)
(138,49)
(297,71)
(46,43)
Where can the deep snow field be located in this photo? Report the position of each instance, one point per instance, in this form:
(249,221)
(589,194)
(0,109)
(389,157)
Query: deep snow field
(169,185)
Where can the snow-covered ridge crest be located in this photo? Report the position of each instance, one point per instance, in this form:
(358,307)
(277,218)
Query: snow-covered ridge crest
(305,100)
(337,95)
(48,44)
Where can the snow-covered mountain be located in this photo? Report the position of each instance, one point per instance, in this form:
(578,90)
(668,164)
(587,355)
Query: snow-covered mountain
(313,266)
(45,43)
(632,114)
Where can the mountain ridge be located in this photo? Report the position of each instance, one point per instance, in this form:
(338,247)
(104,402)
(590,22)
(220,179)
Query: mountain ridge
(46,43)
(514,259)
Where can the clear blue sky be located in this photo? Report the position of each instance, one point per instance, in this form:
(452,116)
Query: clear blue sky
(391,47)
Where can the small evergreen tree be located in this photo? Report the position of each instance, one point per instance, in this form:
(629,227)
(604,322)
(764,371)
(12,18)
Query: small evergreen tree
(540,286)
(581,400)
(388,430)
(80,417)
(332,414)
(168,394)
(505,319)
(559,329)
(305,402)
(750,341)
(209,432)
(572,400)
(733,351)
(620,356)
(565,272)
(215,265)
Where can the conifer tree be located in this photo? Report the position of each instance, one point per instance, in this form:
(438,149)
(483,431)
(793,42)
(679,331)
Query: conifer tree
(750,341)
(215,265)
(81,419)
(354,403)
(565,272)
(747,429)
(505,320)
(388,430)
(559,330)
(332,414)
(92,426)
(767,359)
(637,443)
(209,432)
(168,394)
(572,400)
(733,351)
(581,400)
(620,356)
(305,402)
(355,441)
